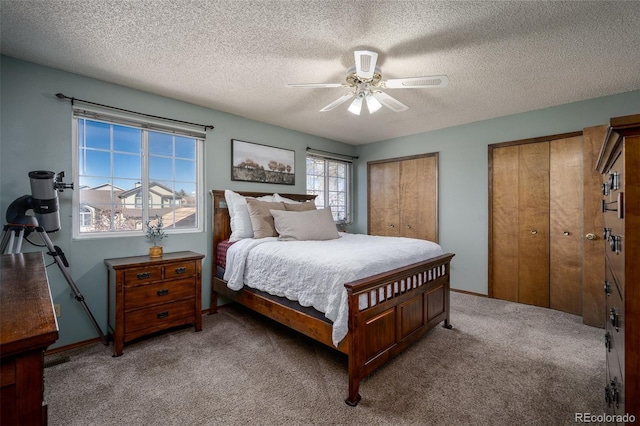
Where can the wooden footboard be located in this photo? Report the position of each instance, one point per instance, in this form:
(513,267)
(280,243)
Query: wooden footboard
(389,311)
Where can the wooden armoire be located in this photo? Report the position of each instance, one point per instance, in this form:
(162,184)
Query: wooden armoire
(619,163)
(544,224)
(403,197)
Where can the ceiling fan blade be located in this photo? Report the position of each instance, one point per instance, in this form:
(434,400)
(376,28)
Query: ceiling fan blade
(390,102)
(365,63)
(340,100)
(416,82)
(318,85)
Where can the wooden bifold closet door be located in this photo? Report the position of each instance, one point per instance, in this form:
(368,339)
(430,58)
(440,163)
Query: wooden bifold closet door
(536,223)
(403,197)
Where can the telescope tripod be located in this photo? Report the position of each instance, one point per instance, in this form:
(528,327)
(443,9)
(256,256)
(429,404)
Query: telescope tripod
(11,242)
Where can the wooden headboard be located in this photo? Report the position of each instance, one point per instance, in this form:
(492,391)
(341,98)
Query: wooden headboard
(221,219)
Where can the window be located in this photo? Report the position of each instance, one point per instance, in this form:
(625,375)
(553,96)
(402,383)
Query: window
(127,173)
(330,180)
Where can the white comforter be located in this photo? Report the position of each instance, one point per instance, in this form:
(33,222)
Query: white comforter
(314,272)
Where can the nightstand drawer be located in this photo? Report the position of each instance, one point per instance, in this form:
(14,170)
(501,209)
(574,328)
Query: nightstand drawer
(158,317)
(142,275)
(176,270)
(157,293)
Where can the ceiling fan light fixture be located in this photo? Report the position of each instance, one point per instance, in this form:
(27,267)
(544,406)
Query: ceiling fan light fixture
(356,106)
(373,104)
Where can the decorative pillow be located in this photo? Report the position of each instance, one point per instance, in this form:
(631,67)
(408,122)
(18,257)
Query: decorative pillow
(300,207)
(239,215)
(261,218)
(305,225)
(279,198)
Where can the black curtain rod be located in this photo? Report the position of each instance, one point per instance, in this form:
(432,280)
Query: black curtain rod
(62,96)
(331,153)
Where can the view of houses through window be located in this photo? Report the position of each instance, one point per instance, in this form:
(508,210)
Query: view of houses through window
(329,179)
(127,175)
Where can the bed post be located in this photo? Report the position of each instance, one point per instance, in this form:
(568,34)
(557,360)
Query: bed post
(447,297)
(355,367)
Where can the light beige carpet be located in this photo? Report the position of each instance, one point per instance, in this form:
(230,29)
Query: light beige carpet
(503,364)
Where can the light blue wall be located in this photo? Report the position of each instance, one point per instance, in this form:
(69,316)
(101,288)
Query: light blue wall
(463,172)
(35,132)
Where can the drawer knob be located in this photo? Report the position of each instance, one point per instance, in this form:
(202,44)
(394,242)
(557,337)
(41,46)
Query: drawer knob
(534,232)
(565,233)
(611,394)
(615,318)
(591,236)
(144,275)
(181,270)
(614,181)
(615,242)
(163,292)
(163,314)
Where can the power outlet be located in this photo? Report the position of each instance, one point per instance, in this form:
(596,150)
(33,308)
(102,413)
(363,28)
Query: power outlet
(56,307)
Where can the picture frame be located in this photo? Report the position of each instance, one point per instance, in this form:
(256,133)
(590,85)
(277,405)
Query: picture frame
(253,162)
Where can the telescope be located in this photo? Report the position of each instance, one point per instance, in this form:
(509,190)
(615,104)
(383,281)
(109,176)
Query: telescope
(43,200)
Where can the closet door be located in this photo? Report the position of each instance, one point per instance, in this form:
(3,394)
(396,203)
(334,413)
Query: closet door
(418,190)
(536,222)
(593,245)
(566,219)
(504,251)
(403,197)
(533,227)
(519,255)
(384,198)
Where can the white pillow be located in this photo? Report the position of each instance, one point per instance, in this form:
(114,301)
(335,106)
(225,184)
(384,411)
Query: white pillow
(279,198)
(240,220)
(317,225)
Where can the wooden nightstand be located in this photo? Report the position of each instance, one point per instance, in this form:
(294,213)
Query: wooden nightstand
(147,295)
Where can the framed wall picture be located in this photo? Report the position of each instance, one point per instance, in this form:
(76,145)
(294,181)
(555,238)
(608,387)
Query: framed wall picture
(254,162)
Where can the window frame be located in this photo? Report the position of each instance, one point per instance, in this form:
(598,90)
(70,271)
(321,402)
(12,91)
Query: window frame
(97,114)
(348,185)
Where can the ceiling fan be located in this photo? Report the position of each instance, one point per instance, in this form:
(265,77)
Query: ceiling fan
(366,82)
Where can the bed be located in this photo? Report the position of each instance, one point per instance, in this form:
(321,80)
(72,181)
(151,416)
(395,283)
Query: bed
(386,312)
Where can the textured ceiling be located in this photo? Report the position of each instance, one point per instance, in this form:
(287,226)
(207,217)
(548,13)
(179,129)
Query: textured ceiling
(237,56)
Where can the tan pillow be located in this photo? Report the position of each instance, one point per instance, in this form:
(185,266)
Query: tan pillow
(302,207)
(261,219)
(307,225)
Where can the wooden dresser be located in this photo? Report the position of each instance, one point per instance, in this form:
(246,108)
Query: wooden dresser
(27,327)
(619,163)
(147,295)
